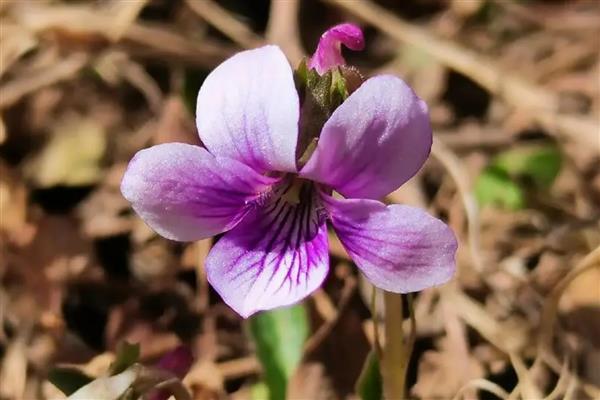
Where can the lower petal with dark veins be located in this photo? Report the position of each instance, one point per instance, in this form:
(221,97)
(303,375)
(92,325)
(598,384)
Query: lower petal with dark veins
(275,257)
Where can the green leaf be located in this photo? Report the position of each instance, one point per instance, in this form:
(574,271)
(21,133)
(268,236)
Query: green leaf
(495,187)
(259,391)
(127,355)
(279,336)
(370,384)
(68,380)
(514,172)
(539,164)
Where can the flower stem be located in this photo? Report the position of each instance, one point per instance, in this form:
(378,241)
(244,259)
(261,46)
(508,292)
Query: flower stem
(376,342)
(394,361)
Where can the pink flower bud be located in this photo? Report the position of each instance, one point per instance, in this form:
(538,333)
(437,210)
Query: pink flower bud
(329,52)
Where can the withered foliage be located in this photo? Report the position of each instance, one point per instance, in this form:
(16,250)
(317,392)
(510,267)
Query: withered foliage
(84,85)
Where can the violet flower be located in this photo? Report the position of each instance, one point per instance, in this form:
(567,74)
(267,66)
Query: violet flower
(247,182)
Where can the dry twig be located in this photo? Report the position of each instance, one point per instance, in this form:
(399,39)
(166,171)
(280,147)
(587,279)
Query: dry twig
(482,384)
(317,338)
(458,173)
(221,19)
(283,29)
(239,367)
(63,70)
(139,38)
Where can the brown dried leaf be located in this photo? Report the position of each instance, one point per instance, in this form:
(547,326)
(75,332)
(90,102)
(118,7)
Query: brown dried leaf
(441,366)
(13,370)
(72,156)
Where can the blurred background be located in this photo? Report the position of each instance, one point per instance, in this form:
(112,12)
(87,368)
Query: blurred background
(514,93)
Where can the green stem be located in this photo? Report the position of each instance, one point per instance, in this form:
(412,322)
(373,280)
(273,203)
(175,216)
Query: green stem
(376,343)
(394,361)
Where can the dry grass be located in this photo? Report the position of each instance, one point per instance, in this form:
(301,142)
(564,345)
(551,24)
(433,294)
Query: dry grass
(79,272)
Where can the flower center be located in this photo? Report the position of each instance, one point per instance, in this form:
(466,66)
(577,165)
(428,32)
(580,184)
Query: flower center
(294,193)
(296,190)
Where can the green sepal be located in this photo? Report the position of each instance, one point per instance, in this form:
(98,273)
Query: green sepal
(339,91)
(319,96)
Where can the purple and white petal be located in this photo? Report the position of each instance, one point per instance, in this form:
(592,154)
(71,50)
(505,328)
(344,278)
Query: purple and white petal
(185,193)
(329,52)
(248,110)
(275,257)
(374,141)
(398,248)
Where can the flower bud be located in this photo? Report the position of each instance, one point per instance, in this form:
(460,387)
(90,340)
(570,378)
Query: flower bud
(329,52)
